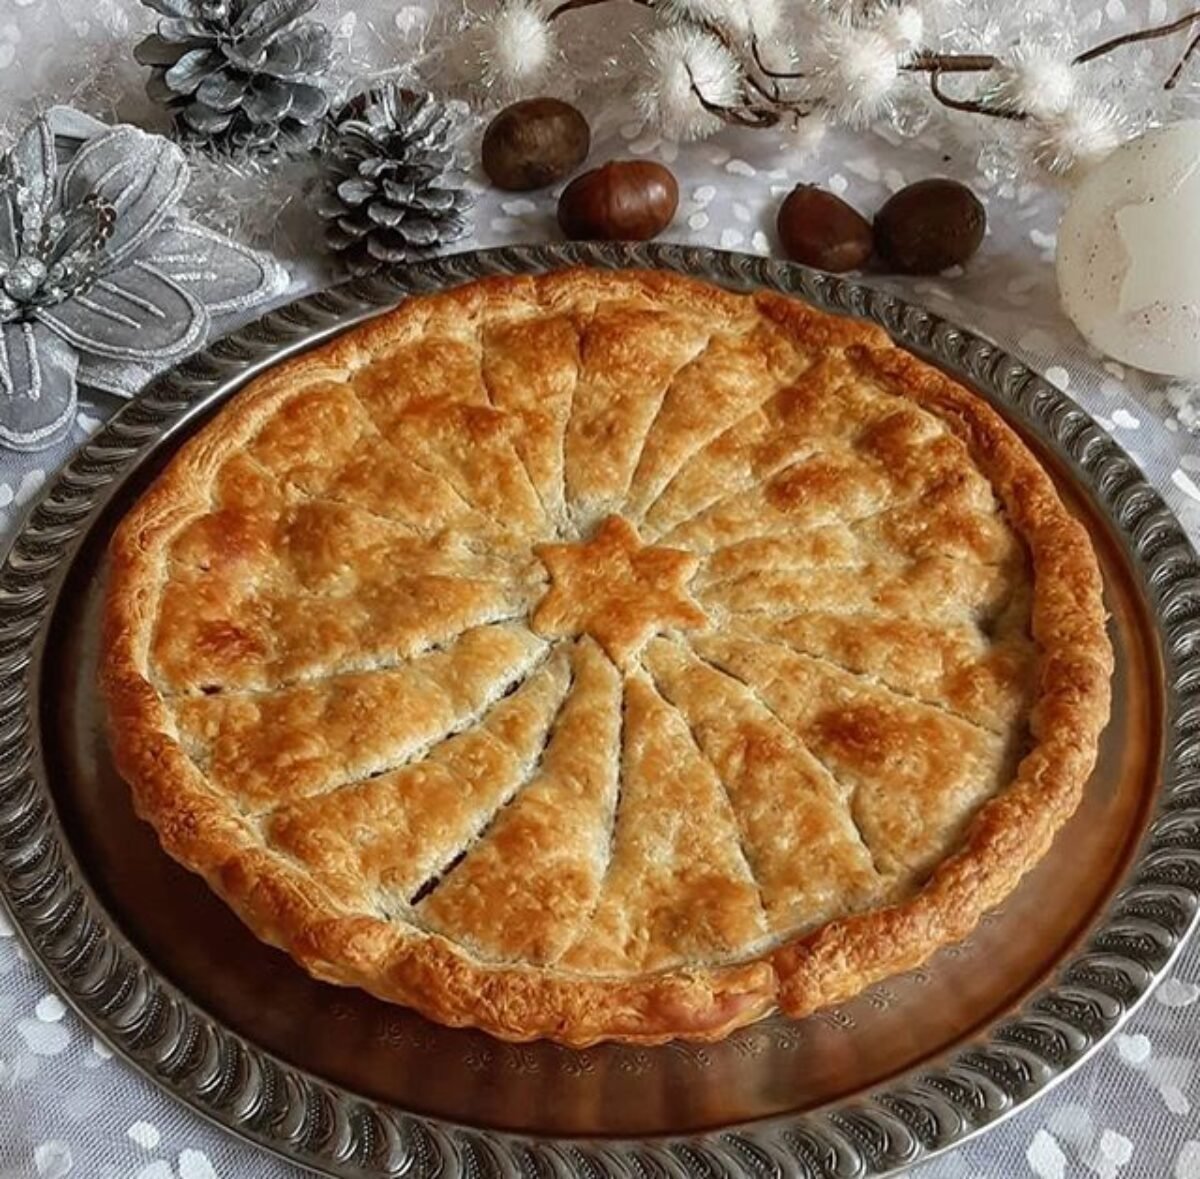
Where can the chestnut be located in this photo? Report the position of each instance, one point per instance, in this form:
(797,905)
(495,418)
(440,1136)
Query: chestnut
(930,226)
(534,143)
(820,229)
(623,200)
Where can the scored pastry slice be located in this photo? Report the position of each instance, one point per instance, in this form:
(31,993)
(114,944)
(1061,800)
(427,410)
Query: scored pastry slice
(383,843)
(910,773)
(796,831)
(629,356)
(523,892)
(540,397)
(265,747)
(323,444)
(678,885)
(799,420)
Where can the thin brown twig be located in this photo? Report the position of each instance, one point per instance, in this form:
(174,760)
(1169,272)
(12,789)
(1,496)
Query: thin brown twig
(1151,34)
(744,116)
(782,75)
(771,95)
(923,62)
(726,41)
(763,68)
(935,64)
(1181,64)
(951,63)
(570,6)
(971,105)
(574,5)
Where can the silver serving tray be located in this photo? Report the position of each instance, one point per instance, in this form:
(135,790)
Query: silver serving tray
(343,1084)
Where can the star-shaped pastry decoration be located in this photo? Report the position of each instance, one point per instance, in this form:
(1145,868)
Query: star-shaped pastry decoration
(616,589)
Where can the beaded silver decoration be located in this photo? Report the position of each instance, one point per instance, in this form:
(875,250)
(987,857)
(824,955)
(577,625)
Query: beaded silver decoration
(101,283)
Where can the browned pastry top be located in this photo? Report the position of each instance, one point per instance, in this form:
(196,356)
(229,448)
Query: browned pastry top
(606,655)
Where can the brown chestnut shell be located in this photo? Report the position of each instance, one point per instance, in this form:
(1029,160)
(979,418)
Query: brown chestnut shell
(820,229)
(930,226)
(623,200)
(533,143)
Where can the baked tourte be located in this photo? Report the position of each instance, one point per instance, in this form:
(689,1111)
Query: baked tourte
(606,656)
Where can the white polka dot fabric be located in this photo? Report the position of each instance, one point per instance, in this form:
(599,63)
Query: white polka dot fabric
(68,1108)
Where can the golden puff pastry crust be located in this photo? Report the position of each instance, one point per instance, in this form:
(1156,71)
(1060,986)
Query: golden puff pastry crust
(606,656)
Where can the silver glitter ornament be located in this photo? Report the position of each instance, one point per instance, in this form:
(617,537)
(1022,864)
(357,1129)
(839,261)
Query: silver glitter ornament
(393,191)
(240,76)
(101,283)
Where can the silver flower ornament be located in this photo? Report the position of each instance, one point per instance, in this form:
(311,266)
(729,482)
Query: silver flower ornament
(102,283)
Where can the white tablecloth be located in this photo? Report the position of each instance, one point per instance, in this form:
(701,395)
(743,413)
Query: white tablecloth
(68,1108)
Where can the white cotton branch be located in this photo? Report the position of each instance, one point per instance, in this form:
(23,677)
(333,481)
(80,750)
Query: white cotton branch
(776,53)
(853,71)
(808,134)
(733,15)
(765,17)
(682,64)
(1079,136)
(516,44)
(1037,81)
(742,18)
(903,28)
(774,43)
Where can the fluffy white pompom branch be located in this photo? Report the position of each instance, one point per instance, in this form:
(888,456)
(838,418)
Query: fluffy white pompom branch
(729,14)
(742,18)
(853,71)
(802,64)
(1038,81)
(1079,136)
(683,65)
(764,17)
(903,28)
(516,45)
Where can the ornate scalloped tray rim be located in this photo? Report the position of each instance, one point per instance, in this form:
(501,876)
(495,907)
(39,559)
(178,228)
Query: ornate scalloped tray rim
(245,1090)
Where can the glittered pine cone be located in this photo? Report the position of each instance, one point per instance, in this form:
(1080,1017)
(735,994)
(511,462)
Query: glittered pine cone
(240,75)
(393,191)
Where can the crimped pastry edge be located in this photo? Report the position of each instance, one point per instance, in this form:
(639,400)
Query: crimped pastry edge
(285,908)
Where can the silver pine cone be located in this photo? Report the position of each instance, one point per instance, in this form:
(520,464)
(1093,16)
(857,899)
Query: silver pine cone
(240,76)
(393,192)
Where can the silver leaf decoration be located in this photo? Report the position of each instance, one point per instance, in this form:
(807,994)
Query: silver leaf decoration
(102,284)
(10,245)
(72,129)
(33,165)
(141,176)
(222,274)
(37,386)
(136,314)
(118,378)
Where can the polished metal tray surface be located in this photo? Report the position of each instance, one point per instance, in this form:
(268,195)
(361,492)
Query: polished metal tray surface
(350,1086)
